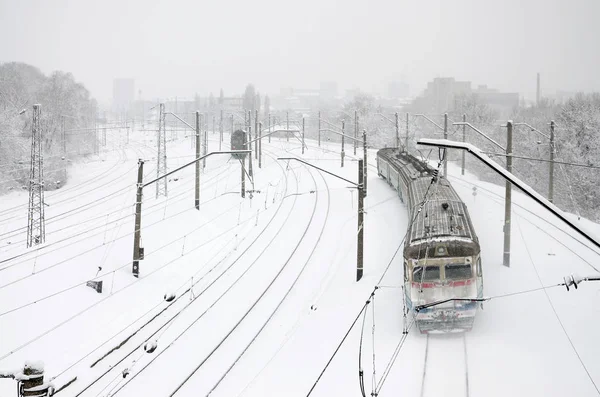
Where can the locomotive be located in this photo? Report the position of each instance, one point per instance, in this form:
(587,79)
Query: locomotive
(239,140)
(442,256)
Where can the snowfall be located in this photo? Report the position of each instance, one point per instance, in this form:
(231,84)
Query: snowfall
(252,296)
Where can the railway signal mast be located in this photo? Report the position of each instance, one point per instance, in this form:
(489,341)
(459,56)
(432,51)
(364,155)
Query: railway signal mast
(36,226)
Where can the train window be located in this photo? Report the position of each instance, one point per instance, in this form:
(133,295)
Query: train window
(431,273)
(458,271)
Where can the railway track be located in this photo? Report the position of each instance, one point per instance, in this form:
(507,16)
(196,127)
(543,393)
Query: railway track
(445,368)
(117,360)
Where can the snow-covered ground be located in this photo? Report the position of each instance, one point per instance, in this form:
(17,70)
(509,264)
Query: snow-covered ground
(265,286)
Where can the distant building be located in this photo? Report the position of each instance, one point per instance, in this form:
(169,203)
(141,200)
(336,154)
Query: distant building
(398,90)
(441,95)
(328,90)
(123,95)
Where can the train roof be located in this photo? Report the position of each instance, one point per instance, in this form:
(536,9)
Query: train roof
(444,216)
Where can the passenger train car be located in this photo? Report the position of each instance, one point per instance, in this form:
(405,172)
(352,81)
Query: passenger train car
(442,258)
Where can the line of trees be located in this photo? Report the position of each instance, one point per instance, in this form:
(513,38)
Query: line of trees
(63,100)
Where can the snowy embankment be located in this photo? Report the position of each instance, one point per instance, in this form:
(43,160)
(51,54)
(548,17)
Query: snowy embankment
(264,286)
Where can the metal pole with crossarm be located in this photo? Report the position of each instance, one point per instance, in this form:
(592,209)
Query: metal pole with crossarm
(137,256)
(361,198)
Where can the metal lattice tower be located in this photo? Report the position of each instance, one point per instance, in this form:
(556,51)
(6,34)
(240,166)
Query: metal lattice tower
(161,169)
(36,226)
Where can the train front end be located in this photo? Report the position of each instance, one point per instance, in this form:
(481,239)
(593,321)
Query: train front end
(438,290)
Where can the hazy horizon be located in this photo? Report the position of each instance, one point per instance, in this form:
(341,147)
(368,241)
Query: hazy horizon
(179,48)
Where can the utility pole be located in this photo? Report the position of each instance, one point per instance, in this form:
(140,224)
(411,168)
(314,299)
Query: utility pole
(161,157)
(256,134)
(365,161)
(342,153)
(197,190)
(260,145)
(205,145)
(462,168)
(250,174)
(446,151)
(302,135)
(63,137)
(397,130)
(355,131)
(507,201)
(287,133)
(138,221)
(319,128)
(360,239)
(221,129)
(406,142)
(36,225)
(551,177)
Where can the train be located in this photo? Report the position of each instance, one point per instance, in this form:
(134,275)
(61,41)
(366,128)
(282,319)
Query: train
(239,139)
(442,255)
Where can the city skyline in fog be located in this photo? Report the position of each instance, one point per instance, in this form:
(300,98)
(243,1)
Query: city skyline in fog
(180,48)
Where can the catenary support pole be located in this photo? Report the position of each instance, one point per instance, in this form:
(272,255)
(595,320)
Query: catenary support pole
(508,194)
(319,132)
(250,174)
(260,145)
(302,135)
(205,146)
(343,132)
(138,220)
(397,130)
(197,182)
(446,150)
(355,132)
(551,165)
(359,242)
(365,161)
(221,129)
(462,161)
(64,149)
(406,139)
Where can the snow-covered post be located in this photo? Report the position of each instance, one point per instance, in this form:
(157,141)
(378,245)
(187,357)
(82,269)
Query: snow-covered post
(508,194)
(30,380)
(551,177)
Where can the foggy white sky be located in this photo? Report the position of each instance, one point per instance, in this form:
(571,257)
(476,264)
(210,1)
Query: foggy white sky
(180,47)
